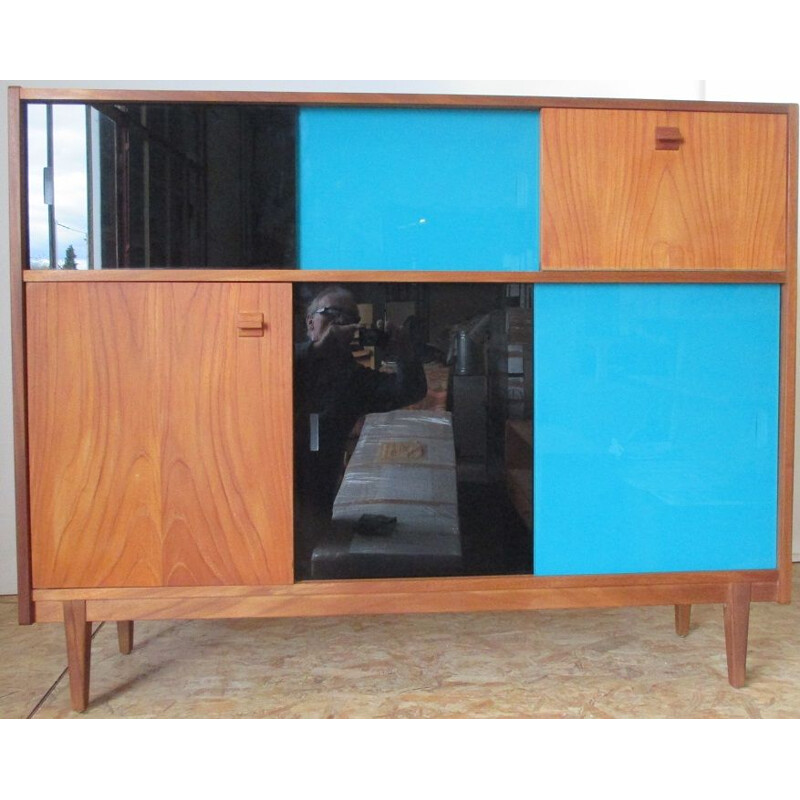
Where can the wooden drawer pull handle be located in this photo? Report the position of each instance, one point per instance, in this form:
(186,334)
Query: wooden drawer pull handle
(668,139)
(250,323)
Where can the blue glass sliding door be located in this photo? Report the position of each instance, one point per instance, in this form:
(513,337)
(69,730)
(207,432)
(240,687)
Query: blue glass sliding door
(427,189)
(655,428)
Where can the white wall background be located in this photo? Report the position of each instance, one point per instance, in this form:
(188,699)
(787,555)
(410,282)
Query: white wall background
(755,91)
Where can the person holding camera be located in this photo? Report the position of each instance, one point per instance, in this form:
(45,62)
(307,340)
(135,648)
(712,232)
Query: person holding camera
(332,391)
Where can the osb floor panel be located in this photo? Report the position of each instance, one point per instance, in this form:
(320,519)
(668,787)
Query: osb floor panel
(588,663)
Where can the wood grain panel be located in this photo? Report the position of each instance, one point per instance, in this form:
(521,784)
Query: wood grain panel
(787,420)
(378,99)
(610,199)
(491,593)
(356,276)
(18,227)
(737,622)
(95,482)
(227,446)
(160,446)
(369,586)
(411,603)
(78,632)
(165,603)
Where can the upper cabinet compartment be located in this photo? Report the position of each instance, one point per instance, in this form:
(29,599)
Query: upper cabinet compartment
(426,189)
(635,189)
(323,183)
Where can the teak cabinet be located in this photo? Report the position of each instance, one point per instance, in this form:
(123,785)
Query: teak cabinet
(154,407)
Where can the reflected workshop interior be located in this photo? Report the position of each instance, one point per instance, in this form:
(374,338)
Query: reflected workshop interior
(434,487)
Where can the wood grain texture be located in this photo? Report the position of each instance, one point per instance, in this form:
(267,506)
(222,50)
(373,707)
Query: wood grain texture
(78,632)
(156,605)
(610,199)
(408,595)
(458,601)
(94,445)
(737,623)
(201,275)
(227,448)
(160,442)
(683,619)
(17,229)
(788,366)
(786,434)
(125,636)
(379,99)
(483,584)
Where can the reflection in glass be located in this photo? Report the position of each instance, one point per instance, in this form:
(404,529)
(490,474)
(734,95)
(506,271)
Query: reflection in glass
(405,398)
(184,185)
(57,187)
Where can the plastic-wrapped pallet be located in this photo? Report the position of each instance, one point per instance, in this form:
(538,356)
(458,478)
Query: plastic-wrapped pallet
(398,502)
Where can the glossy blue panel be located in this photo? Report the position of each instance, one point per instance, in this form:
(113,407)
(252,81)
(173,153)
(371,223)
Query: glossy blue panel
(655,428)
(430,189)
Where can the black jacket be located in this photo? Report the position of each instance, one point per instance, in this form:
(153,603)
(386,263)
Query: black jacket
(340,391)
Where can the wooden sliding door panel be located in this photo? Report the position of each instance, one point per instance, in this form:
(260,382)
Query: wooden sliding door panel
(94,466)
(226,458)
(638,189)
(160,438)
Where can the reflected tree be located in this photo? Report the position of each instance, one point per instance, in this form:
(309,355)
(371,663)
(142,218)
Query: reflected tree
(69,259)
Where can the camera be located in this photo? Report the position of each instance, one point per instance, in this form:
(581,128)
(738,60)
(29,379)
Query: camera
(372,337)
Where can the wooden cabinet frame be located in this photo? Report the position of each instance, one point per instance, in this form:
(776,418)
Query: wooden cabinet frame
(77,608)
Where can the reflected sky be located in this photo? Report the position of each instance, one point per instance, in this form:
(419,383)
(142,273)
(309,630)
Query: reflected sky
(70,183)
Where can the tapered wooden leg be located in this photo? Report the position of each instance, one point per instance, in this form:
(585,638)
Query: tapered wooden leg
(683,619)
(79,651)
(125,636)
(737,621)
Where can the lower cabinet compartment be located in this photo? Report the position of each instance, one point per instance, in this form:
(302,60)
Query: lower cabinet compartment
(548,430)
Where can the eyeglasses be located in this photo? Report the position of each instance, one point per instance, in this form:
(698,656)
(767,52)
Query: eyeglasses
(339,316)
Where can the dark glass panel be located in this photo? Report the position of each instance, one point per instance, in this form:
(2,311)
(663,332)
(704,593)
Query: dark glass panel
(412,430)
(181,185)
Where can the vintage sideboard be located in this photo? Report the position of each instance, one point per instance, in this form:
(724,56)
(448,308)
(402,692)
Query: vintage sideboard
(153,391)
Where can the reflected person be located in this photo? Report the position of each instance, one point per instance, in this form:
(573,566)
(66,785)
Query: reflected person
(333,391)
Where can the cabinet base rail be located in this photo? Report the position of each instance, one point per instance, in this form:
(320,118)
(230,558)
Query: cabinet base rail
(75,613)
